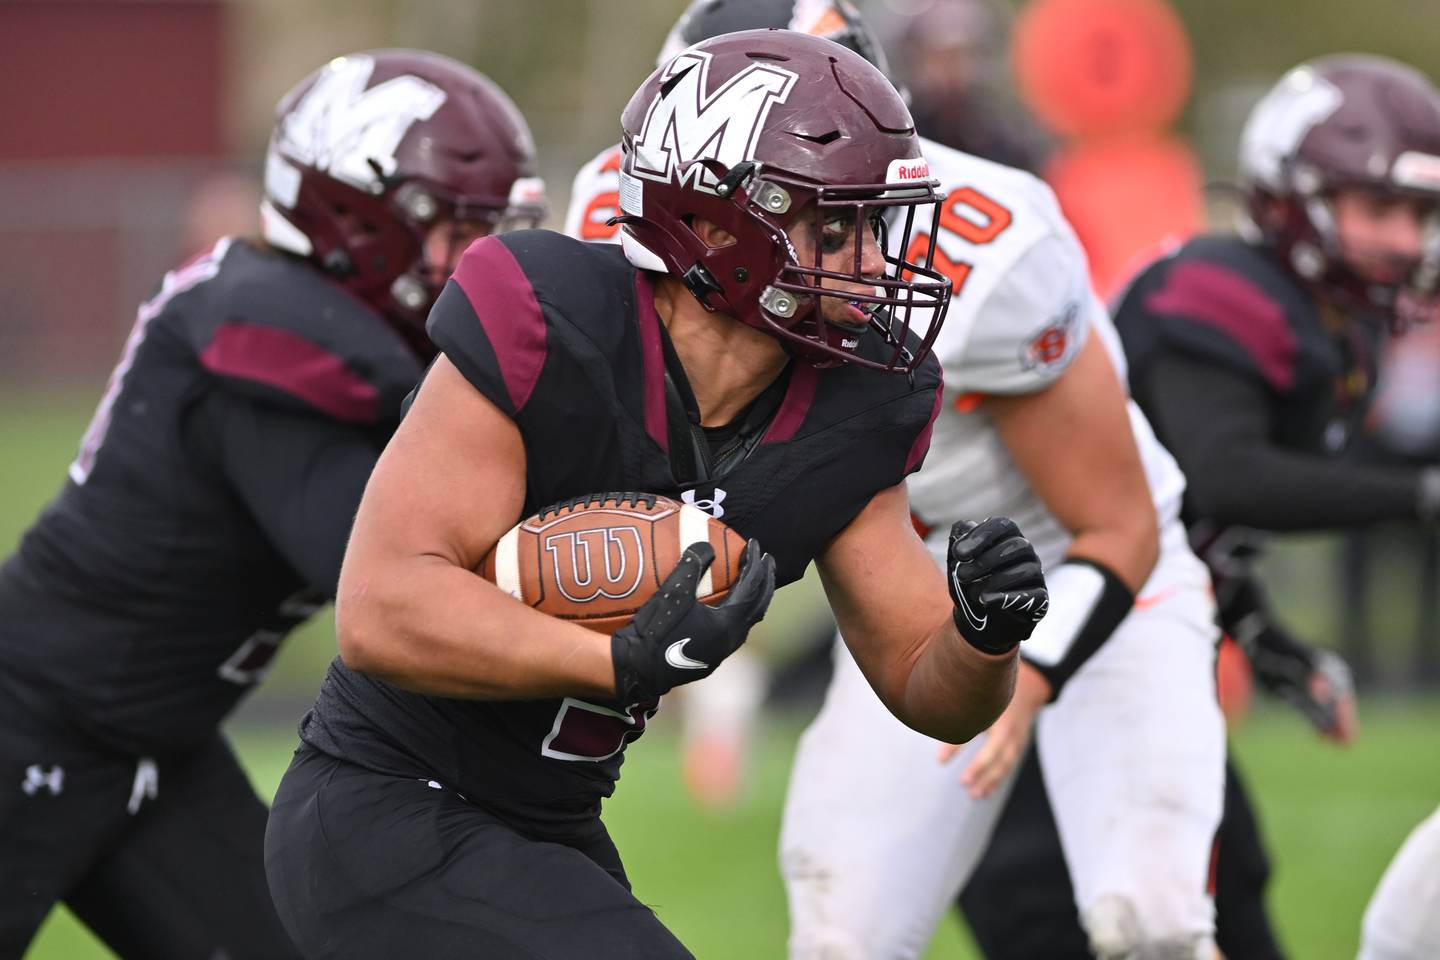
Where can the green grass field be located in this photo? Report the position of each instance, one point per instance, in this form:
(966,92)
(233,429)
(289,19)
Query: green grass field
(1334,817)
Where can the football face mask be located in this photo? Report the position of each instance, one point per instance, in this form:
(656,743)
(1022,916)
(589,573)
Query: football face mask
(839,281)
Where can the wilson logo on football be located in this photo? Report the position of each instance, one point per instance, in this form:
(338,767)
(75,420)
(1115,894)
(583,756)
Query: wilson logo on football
(590,564)
(686,123)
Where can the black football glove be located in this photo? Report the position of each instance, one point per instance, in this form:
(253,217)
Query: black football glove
(996,583)
(674,638)
(1316,682)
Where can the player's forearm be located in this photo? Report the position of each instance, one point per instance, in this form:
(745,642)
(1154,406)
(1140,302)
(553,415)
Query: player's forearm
(955,691)
(429,626)
(1274,489)
(1220,425)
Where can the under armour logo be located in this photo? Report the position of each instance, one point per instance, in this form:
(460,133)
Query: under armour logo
(37,778)
(710,506)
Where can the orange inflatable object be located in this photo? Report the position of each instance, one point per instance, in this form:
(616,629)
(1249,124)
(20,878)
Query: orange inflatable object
(1096,67)
(1129,198)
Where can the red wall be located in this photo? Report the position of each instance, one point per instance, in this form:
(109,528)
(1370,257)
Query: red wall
(110,78)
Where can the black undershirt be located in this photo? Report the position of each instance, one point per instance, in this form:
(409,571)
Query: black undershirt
(699,453)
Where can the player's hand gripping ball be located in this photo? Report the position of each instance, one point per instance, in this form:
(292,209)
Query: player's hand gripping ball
(996,584)
(677,589)
(597,559)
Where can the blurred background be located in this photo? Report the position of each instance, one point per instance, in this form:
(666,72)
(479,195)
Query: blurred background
(131,133)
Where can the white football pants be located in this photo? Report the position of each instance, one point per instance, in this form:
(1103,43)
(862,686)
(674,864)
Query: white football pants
(1403,919)
(879,838)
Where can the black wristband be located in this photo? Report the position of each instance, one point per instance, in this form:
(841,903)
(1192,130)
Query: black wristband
(1083,613)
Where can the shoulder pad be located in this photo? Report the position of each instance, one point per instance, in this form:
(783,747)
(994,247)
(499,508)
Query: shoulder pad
(1219,299)
(518,298)
(900,410)
(273,328)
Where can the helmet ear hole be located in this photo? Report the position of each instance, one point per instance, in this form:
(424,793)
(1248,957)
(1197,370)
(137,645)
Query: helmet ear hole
(714,237)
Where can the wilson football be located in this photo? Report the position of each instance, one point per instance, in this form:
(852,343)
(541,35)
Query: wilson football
(597,559)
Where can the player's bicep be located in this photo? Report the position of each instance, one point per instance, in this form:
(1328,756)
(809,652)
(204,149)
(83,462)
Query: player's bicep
(450,483)
(1095,471)
(887,593)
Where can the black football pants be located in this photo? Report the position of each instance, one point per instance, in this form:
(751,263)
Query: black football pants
(367,866)
(162,861)
(1020,906)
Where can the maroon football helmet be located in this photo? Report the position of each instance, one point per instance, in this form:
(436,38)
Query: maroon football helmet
(751,131)
(374,149)
(1337,122)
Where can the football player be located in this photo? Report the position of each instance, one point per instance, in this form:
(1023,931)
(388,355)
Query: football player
(207,511)
(749,337)
(877,837)
(1020,356)
(1255,358)
(717,717)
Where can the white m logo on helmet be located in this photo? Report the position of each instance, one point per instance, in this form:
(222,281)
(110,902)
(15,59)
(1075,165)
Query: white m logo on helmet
(685,123)
(340,127)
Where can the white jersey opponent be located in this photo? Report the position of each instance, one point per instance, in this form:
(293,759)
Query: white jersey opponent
(879,837)
(595,198)
(1021,310)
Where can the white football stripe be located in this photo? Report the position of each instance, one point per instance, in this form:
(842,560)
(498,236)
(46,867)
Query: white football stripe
(507,564)
(695,527)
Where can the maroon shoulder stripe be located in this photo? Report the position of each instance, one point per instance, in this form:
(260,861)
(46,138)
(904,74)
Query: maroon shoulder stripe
(653,359)
(796,405)
(921,446)
(1221,298)
(504,302)
(289,362)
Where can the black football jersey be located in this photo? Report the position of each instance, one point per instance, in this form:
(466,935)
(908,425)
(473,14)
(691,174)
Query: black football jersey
(207,511)
(1236,304)
(1256,388)
(564,338)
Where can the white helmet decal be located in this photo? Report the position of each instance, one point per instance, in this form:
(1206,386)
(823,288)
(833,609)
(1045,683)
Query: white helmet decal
(340,127)
(1281,120)
(685,124)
